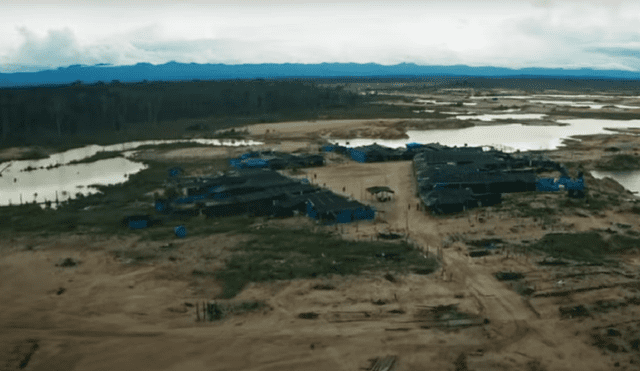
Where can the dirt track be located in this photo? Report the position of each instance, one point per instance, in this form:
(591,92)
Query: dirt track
(107,314)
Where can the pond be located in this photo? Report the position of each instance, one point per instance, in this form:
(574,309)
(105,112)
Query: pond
(511,137)
(504,116)
(65,181)
(591,105)
(628,179)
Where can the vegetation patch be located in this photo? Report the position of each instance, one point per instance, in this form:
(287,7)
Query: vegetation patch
(619,163)
(589,247)
(219,310)
(105,155)
(276,254)
(34,154)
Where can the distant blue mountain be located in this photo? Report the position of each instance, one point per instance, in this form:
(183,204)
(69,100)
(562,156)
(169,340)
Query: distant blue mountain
(173,71)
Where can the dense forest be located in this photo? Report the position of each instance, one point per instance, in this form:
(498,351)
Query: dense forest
(30,115)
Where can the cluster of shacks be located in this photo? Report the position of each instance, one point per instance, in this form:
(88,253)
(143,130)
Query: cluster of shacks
(455,179)
(275,160)
(262,192)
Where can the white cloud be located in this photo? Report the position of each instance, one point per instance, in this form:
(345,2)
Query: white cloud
(536,33)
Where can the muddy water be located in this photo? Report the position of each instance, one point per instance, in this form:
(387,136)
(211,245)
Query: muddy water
(63,181)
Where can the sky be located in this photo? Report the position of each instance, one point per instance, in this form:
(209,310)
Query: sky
(45,34)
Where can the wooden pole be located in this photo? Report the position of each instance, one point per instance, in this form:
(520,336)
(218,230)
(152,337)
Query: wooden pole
(197,311)
(407,221)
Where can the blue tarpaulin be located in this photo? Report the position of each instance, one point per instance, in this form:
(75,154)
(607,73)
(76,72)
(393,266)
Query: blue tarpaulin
(344,217)
(311,212)
(162,205)
(255,163)
(138,224)
(364,214)
(180,231)
(175,171)
(577,185)
(235,162)
(547,185)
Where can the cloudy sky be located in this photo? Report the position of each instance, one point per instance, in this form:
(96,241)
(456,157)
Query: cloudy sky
(515,34)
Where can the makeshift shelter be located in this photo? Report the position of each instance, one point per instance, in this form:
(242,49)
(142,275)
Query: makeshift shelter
(445,201)
(265,202)
(175,171)
(382,193)
(331,208)
(138,221)
(275,160)
(374,153)
(547,185)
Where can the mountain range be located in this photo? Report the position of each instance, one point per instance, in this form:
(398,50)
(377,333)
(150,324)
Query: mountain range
(174,71)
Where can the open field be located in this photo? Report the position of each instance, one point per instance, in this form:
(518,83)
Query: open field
(80,292)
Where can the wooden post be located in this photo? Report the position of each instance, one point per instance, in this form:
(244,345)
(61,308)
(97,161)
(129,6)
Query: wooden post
(407,222)
(20,198)
(197,311)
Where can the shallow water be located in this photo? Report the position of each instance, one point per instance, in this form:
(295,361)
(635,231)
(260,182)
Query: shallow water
(68,180)
(512,136)
(430,101)
(64,181)
(563,96)
(78,154)
(628,179)
(502,116)
(591,105)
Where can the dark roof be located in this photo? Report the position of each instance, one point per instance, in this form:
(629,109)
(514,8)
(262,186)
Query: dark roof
(447,196)
(379,189)
(327,202)
(294,200)
(269,194)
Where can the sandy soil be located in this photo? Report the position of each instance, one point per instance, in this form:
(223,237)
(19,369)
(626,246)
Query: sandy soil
(107,313)
(113,315)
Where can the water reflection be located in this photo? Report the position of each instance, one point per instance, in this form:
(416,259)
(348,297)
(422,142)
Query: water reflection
(78,154)
(512,137)
(491,117)
(65,182)
(628,179)
(591,105)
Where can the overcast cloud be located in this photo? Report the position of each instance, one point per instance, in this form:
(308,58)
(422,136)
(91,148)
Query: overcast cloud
(534,33)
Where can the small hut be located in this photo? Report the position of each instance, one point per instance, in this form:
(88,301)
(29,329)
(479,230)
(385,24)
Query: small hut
(382,193)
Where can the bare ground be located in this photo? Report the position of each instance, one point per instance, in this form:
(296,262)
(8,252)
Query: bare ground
(112,312)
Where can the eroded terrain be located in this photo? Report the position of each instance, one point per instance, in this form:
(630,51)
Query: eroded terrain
(92,298)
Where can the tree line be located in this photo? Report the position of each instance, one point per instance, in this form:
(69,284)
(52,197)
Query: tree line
(58,111)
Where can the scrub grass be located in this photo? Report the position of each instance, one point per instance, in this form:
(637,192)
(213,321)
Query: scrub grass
(619,163)
(276,254)
(588,247)
(97,157)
